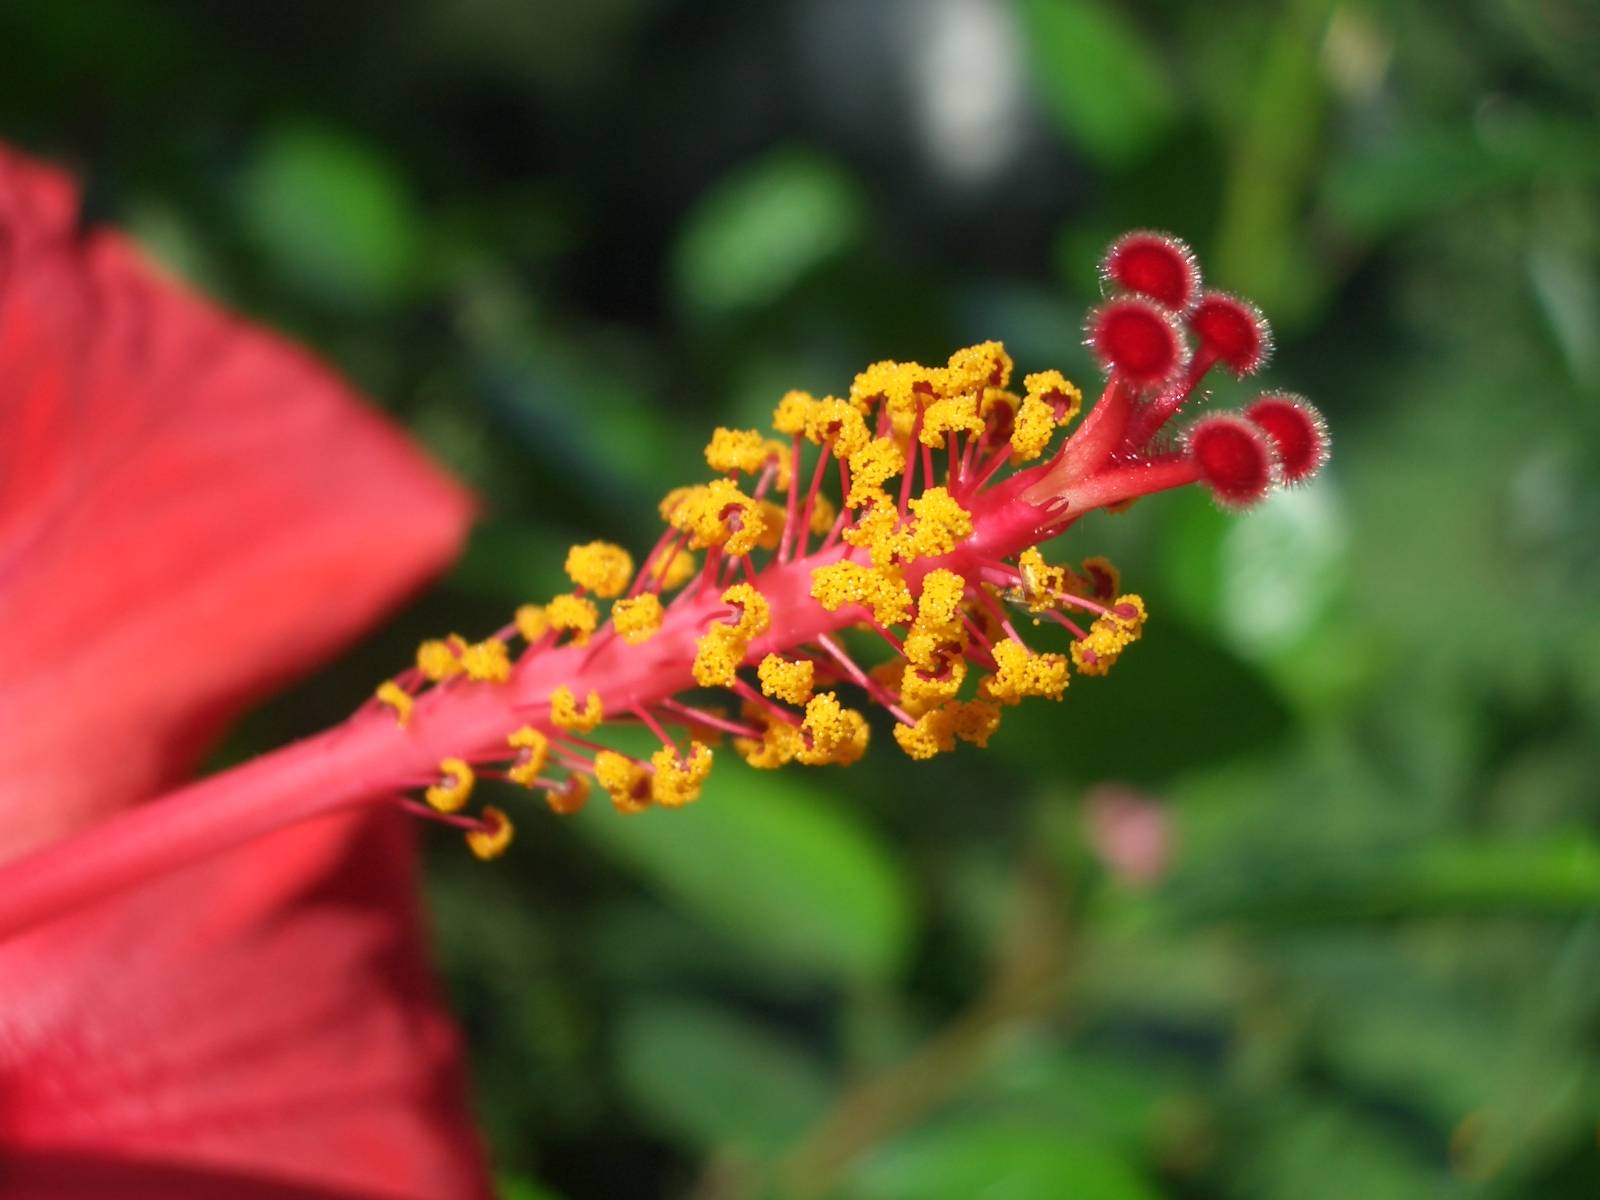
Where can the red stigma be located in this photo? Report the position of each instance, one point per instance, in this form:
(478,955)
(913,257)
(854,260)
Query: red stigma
(1137,339)
(1234,458)
(1296,430)
(1155,265)
(1232,331)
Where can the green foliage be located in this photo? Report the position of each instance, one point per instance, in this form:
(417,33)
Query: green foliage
(563,241)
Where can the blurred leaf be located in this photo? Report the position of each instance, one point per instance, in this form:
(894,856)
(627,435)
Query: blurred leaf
(717,1079)
(1415,175)
(1094,72)
(520,1187)
(331,215)
(759,231)
(1319,1151)
(777,866)
(1557,874)
(998,1160)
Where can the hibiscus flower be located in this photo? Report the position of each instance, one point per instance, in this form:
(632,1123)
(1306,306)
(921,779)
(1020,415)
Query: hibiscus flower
(191,513)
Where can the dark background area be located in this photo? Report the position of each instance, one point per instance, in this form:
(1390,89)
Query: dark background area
(561,240)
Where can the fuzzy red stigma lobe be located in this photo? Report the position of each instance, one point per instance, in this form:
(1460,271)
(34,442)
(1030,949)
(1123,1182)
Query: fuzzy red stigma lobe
(1137,339)
(1297,432)
(1232,331)
(1236,461)
(1156,265)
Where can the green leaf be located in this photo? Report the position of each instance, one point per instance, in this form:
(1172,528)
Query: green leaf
(331,217)
(715,1078)
(758,232)
(1101,83)
(998,1160)
(775,865)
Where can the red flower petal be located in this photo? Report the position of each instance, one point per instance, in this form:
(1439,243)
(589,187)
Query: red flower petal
(1153,264)
(191,511)
(1234,458)
(1137,339)
(1297,431)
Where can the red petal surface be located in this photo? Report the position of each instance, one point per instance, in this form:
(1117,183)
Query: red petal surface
(192,511)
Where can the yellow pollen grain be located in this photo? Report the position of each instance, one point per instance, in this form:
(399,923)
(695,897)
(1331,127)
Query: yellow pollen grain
(637,618)
(1111,634)
(602,568)
(741,450)
(719,514)
(923,690)
(491,842)
(951,414)
(1031,430)
(1019,673)
(838,424)
(564,713)
(533,748)
(785,680)
(718,655)
(831,733)
(454,788)
(1059,393)
(755,614)
(574,614)
(395,698)
(677,781)
(486,661)
(792,413)
(532,622)
(439,659)
(776,747)
(674,572)
(1042,584)
(626,781)
(773,519)
(881,589)
(877,531)
(940,525)
(879,461)
(822,515)
(986,365)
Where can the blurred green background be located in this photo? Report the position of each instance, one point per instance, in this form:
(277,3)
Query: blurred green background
(1302,901)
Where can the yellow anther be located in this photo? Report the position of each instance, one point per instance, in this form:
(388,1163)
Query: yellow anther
(570,797)
(940,524)
(838,424)
(564,712)
(785,680)
(986,365)
(792,412)
(755,615)
(719,514)
(486,661)
(900,387)
(889,673)
(1043,585)
(922,690)
(831,733)
(822,514)
(625,779)
(1112,632)
(637,618)
(778,744)
(394,697)
(881,589)
(939,605)
(931,735)
(936,730)
(454,788)
(574,614)
(675,499)
(717,656)
(951,414)
(678,780)
(532,622)
(533,751)
(491,841)
(600,567)
(877,530)
(871,467)
(746,450)
(1020,672)
(1031,429)
(1056,390)
(439,659)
